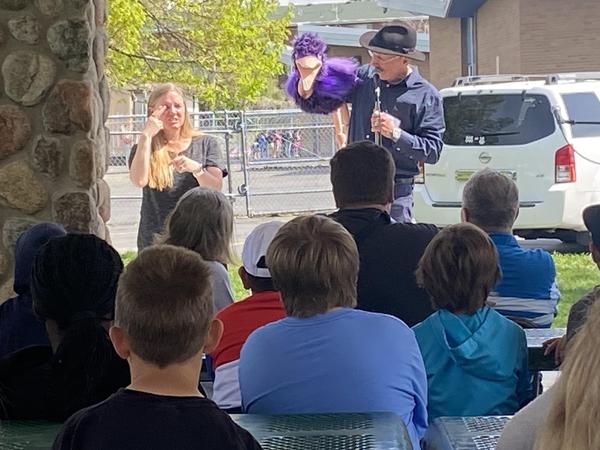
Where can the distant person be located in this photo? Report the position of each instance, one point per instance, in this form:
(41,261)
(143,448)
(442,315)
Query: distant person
(296,143)
(19,326)
(476,359)
(288,136)
(163,323)
(527,290)
(169,159)
(566,415)
(579,310)
(73,285)
(242,318)
(327,356)
(202,221)
(362,175)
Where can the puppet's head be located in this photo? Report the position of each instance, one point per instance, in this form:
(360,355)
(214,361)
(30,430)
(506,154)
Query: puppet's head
(308,53)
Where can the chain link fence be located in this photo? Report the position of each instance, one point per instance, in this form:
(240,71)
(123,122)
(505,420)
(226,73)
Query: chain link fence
(278,161)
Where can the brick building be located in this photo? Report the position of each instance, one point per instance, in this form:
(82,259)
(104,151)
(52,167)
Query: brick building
(508,36)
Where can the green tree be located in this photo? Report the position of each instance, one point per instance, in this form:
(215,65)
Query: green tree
(225,52)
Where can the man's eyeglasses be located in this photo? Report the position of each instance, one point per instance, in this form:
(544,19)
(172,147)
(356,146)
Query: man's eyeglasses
(382,57)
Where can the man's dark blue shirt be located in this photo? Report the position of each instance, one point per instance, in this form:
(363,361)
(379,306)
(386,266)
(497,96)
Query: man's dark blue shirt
(416,103)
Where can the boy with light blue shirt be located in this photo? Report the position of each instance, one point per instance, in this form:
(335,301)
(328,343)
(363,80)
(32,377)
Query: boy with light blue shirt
(326,356)
(476,359)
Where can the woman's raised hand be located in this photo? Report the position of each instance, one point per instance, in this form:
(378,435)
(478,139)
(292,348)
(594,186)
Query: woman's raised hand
(154,124)
(185,164)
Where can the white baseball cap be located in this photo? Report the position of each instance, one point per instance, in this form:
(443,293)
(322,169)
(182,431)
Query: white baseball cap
(255,248)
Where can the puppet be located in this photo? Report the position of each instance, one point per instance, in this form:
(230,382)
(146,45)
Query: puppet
(321,85)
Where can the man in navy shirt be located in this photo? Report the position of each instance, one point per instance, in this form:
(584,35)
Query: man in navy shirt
(410,119)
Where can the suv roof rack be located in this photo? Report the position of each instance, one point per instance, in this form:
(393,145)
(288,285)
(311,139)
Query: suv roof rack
(574,76)
(555,78)
(474,80)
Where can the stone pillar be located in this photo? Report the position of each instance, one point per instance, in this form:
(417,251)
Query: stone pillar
(53,106)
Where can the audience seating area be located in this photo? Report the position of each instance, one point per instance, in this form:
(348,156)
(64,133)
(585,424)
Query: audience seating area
(464,433)
(343,431)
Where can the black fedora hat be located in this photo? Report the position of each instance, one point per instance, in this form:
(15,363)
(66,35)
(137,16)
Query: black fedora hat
(395,39)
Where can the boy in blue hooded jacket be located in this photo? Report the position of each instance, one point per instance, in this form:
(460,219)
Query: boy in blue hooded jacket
(475,359)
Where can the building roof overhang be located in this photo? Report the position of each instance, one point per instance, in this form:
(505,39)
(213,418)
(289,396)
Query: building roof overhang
(438,8)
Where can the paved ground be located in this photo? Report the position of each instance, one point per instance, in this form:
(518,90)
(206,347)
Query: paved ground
(124,235)
(294,186)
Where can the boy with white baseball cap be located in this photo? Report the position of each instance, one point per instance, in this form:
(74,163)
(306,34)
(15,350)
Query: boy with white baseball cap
(242,318)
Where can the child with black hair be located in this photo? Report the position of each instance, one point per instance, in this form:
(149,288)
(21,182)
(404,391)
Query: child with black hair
(73,285)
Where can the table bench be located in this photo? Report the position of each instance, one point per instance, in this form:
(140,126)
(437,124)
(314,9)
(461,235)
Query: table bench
(465,433)
(536,337)
(336,431)
(339,431)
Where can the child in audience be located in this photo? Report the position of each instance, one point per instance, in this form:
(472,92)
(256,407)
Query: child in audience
(476,359)
(578,312)
(567,415)
(163,323)
(19,327)
(73,285)
(327,356)
(202,221)
(242,318)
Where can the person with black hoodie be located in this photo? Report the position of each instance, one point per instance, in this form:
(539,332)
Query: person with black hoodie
(19,327)
(73,286)
(362,175)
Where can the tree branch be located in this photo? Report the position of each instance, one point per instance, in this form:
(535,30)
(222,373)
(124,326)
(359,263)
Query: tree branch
(156,59)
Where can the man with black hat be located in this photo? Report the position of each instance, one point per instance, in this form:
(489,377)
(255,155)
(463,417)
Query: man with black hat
(391,105)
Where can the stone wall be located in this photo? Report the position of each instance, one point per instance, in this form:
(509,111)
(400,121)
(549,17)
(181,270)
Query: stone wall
(53,105)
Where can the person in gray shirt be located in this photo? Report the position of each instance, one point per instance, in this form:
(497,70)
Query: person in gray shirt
(202,221)
(169,159)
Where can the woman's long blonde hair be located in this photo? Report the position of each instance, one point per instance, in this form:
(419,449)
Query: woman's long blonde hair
(573,420)
(161,172)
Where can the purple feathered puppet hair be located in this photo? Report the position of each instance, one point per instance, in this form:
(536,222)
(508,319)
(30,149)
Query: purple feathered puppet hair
(308,44)
(334,83)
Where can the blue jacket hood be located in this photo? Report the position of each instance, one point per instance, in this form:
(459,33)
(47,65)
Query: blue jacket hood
(467,339)
(27,246)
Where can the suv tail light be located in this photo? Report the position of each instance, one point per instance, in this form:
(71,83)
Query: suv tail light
(564,165)
(420,177)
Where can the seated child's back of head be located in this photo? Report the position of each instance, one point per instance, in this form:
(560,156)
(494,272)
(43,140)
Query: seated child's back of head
(465,342)
(73,284)
(163,323)
(164,305)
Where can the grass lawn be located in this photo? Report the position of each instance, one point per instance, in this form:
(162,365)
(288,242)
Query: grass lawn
(577,274)
(238,290)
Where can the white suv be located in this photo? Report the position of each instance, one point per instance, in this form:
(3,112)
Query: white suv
(543,131)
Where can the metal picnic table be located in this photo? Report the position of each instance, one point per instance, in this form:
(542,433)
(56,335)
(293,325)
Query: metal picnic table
(339,431)
(336,431)
(536,337)
(465,433)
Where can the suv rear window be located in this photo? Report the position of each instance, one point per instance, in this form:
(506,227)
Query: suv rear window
(583,107)
(498,119)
